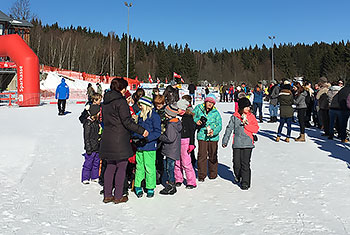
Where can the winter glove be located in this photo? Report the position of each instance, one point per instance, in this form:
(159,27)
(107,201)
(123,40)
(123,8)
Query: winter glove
(191,148)
(139,142)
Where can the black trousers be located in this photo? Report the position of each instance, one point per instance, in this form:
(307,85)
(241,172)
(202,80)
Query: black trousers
(241,164)
(324,115)
(61,106)
(301,119)
(159,165)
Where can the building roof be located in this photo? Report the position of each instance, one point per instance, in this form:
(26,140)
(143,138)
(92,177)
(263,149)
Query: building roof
(18,23)
(4,17)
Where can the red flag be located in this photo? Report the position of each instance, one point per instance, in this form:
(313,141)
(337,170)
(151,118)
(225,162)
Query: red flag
(158,81)
(150,78)
(166,80)
(182,80)
(177,75)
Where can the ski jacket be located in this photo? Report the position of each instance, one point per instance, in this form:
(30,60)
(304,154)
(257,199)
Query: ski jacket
(322,98)
(188,128)
(285,99)
(152,125)
(275,90)
(242,134)
(91,135)
(342,97)
(258,96)
(171,139)
(333,98)
(115,141)
(300,102)
(213,120)
(62,90)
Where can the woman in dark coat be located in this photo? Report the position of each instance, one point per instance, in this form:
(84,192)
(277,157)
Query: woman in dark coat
(115,143)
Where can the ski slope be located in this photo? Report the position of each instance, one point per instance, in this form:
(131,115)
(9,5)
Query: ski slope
(297,188)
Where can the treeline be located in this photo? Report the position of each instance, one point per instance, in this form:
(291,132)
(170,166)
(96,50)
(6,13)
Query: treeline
(85,50)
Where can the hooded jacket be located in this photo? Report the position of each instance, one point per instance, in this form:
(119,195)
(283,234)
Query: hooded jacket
(242,134)
(115,141)
(333,97)
(285,99)
(171,139)
(322,97)
(275,90)
(62,90)
(152,125)
(300,100)
(91,136)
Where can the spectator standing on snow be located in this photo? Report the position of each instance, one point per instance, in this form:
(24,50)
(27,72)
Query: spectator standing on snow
(209,123)
(159,104)
(62,94)
(300,102)
(146,152)
(323,104)
(243,124)
(171,139)
(187,146)
(135,97)
(90,91)
(258,102)
(273,97)
(115,142)
(342,113)
(91,164)
(285,100)
(99,89)
(192,90)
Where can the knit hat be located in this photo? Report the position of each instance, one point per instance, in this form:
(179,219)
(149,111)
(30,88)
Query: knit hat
(94,109)
(182,104)
(244,102)
(210,98)
(273,81)
(146,101)
(171,110)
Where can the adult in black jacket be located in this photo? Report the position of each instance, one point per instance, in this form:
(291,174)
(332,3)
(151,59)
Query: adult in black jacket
(345,111)
(115,142)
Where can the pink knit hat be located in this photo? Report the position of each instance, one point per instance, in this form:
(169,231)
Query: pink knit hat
(210,98)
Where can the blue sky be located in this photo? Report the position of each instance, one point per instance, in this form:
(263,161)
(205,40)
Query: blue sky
(205,24)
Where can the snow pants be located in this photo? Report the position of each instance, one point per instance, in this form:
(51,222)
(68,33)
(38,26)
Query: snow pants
(146,168)
(115,170)
(91,167)
(241,164)
(185,164)
(207,158)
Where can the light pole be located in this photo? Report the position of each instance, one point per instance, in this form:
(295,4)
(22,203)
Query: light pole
(272,65)
(127,42)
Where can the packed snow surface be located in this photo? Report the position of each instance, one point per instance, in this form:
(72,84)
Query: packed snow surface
(297,188)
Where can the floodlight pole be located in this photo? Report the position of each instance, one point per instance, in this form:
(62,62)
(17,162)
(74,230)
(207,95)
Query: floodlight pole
(127,42)
(272,64)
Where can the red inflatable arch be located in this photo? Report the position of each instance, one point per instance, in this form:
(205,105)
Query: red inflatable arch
(28,83)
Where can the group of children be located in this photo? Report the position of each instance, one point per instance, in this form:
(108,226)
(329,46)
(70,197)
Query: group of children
(168,146)
(166,149)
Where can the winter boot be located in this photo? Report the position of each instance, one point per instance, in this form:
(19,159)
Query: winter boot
(190,187)
(301,138)
(170,189)
(178,184)
(278,139)
(121,200)
(138,192)
(275,119)
(150,193)
(108,199)
(271,120)
(287,140)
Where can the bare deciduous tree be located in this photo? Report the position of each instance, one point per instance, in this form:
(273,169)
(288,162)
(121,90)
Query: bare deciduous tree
(21,10)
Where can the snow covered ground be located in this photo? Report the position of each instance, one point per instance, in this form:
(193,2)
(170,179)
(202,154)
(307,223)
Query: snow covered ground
(297,188)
